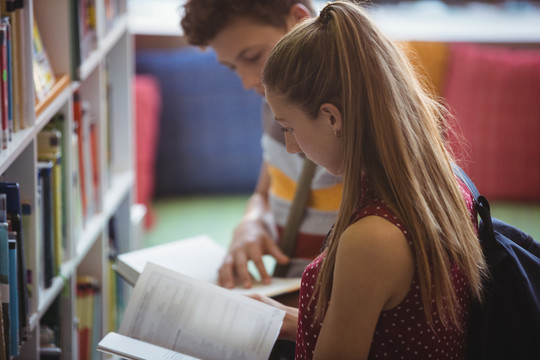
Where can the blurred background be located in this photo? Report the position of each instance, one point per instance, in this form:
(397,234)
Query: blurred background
(198,131)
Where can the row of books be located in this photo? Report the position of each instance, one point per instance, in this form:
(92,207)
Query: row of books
(50,216)
(15,223)
(84,27)
(14,292)
(13,103)
(54,180)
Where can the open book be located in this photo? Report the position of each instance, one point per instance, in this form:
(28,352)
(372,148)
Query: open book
(199,257)
(170,315)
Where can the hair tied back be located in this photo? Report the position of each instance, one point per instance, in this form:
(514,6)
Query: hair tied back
(325,16)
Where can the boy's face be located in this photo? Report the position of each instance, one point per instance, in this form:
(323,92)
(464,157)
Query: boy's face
(244,46)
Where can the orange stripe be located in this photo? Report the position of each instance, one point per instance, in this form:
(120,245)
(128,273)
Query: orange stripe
(325,199)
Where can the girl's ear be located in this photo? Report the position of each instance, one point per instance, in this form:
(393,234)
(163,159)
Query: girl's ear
(332,115)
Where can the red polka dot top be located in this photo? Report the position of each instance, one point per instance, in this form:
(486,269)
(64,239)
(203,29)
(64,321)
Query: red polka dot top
(402,332)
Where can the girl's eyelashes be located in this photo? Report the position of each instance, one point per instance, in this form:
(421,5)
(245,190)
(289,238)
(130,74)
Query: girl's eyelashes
(287,130)
(252,58)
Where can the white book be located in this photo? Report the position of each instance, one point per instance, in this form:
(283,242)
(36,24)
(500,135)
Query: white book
(170,315)
(199,257)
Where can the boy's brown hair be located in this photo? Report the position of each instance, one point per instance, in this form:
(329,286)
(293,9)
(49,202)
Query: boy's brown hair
(204,19)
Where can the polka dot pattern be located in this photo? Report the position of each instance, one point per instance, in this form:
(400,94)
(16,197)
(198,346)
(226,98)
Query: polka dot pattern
(402,332)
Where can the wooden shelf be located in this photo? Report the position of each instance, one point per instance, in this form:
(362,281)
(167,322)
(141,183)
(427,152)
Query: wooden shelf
(62,83)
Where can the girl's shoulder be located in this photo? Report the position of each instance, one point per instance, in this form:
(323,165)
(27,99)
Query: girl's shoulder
(375,253)
(373,231)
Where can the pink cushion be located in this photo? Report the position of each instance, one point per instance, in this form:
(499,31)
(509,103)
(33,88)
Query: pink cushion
(494,93)
(147,113)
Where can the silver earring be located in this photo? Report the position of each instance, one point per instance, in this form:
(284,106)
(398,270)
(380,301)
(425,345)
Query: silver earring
(337,133)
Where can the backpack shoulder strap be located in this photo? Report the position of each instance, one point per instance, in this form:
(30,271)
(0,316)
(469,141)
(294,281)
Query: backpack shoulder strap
(489,226)
(481,204)
(465,178)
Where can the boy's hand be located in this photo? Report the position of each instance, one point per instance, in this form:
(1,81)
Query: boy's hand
(250,242)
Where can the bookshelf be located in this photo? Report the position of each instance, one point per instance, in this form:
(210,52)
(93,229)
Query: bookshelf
(88,108)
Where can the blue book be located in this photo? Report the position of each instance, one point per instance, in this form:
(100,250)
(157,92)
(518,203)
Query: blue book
(13,299)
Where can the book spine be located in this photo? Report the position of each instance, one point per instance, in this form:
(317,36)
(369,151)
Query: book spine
(3,85)
(14,340)
(29,252)
(4,273)
(78,122)
(9,74)
(49,149)
(47,207)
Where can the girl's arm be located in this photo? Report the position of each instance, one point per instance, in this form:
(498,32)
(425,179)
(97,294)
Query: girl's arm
(290,322)
(373,272)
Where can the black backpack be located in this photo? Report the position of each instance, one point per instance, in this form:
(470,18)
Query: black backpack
(507,323)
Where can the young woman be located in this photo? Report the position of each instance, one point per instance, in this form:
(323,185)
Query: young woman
(402,262)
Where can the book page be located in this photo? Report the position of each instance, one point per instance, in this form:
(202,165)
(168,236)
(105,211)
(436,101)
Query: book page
(199,257)
(199,319)
(126,347)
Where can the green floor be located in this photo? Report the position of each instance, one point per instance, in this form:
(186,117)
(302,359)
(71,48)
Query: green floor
(216,216)
(182,217)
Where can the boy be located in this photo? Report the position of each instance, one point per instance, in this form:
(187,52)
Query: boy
(242,33)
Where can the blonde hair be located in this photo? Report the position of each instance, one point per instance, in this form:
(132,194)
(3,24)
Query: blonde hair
(393,136)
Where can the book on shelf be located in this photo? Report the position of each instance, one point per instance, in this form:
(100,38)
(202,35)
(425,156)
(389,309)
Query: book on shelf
(44,78)
(5,48)
(15,231)
(8,78)
(12,69)
(14,338)
(18,50)
(50,149)
(49,331)
(4,275)
(88,313)
(75,183)
(27,211)
(83,33)
(115,299)
(86,129)
(45,186)
(170,315)
(57,129)
(74,38)
(3,350)
(199,257)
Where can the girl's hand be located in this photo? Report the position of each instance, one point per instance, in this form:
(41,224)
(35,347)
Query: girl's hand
(290,322)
